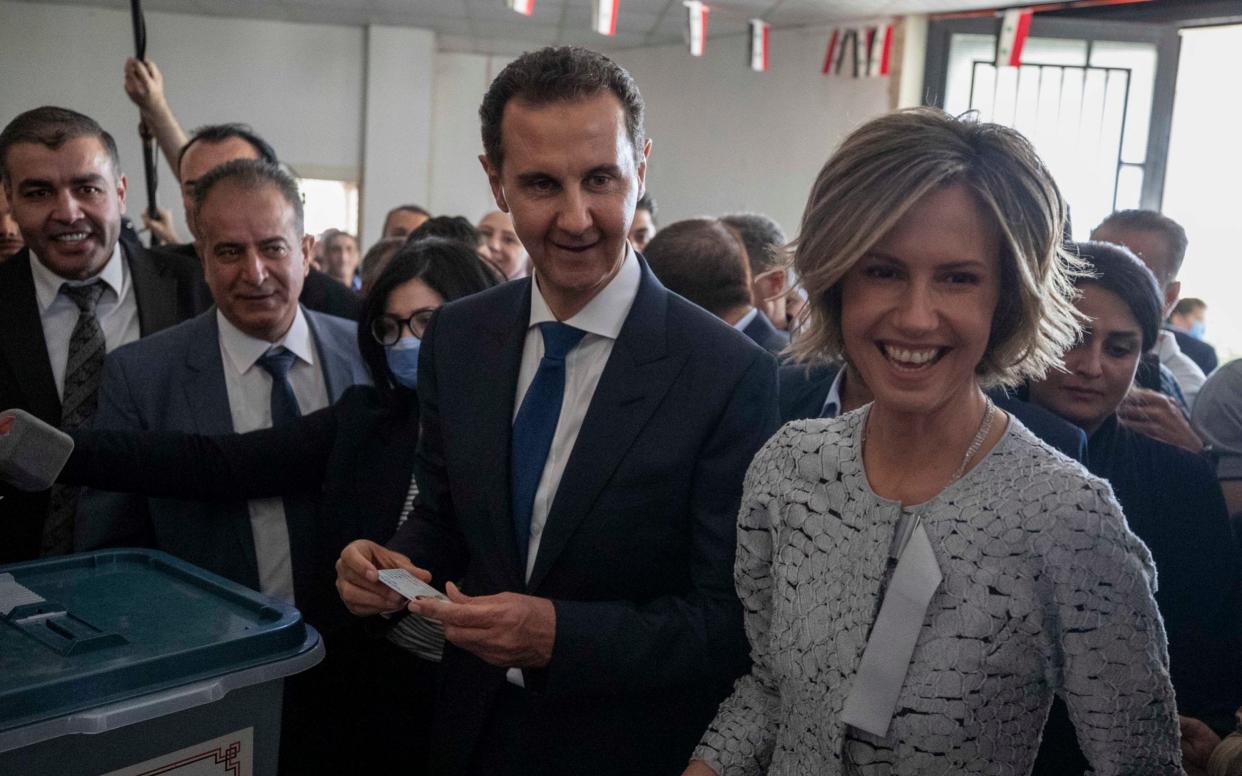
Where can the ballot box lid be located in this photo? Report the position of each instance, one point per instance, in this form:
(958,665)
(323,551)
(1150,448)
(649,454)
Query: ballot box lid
(104,628)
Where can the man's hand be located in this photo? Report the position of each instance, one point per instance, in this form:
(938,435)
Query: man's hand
(1156,415)
(508,630)
(145,86)
(1198,742)
(357,577)
(163,228)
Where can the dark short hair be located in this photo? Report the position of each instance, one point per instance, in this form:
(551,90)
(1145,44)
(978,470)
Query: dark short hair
(449,268)
(1115,268)
(250,174)
(557,74)
(377,258)
(341,233)
(403,209)
(52,127)
(704,261)
(648,203)
(1187,305)
(1151,221)
(450,228)
(218,133)
(763,237)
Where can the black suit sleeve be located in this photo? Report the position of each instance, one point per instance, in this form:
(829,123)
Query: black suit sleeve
(163,464)
(625,646)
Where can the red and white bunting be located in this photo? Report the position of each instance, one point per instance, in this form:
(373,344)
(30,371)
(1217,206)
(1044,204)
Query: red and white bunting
(604,16)
(872,52)
(886,51)
(524,7)
(830,56)
(759,45)
(696,21)
(1015,26)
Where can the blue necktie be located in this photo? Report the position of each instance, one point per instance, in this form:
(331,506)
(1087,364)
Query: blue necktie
(277,362)
(535,425)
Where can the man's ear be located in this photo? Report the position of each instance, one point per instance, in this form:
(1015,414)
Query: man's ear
(1172,292)
(493,180)
(642,169)
(122,183)
(308,247)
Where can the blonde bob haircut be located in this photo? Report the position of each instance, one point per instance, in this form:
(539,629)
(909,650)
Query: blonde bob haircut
(887,165)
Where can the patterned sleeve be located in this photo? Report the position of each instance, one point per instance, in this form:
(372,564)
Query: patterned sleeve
(740,740)
(1114,673)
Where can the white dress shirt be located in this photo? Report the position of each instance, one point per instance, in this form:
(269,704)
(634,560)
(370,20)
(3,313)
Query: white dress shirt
(250,403)
(1189,376)
(601,319)
(117,311)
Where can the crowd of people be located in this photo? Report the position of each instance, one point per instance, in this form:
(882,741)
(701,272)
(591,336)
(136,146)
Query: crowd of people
(929,489)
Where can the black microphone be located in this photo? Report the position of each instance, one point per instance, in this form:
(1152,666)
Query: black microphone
(32,453)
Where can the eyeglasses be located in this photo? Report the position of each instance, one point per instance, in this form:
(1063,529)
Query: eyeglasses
(387,329)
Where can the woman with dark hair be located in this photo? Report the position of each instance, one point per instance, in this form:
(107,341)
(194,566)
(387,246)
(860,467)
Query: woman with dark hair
(357,457)
(1169,496)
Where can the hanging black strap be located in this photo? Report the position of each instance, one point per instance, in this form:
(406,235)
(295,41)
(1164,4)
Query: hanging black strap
(144,132)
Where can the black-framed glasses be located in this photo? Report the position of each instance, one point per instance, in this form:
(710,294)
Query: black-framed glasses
(387,329)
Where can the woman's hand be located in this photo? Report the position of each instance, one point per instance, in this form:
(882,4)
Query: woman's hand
(1198,743)
(357,577)
(698,768)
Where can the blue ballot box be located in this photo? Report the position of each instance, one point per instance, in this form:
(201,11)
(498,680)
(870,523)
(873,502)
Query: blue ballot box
(132,662)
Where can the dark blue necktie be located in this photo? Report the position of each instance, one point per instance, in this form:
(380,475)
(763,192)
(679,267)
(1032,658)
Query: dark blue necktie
(535,425)
(278,361)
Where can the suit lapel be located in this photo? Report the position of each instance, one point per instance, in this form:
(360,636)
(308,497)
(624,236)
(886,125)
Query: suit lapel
(637,377)
(491,385)
(154,291)
(207,396)
(334,359)
(21,339)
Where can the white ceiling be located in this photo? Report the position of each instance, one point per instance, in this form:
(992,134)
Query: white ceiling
(489,26)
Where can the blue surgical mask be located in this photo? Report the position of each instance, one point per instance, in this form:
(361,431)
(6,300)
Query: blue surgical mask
(403,361)
(1198,329)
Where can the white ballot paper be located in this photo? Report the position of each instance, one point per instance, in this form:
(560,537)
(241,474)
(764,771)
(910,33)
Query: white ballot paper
(408,585)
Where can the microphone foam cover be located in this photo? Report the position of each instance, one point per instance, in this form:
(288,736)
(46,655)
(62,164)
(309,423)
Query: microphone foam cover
(32,453)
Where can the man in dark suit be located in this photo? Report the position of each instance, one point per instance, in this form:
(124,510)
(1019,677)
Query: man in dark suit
(234,368)
(76,291)
(705,261)
(827,390)
(769,266)
(585,435)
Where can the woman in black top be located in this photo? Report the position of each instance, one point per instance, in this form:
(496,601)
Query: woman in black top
(357,457)
(1170,497)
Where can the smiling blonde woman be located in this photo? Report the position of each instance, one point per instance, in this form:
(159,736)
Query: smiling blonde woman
(920,577)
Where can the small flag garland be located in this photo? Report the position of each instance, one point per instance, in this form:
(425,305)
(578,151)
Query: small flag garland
(859,51)
(696,21)
(1015,26)
(524,7)
(604,16)
(759,45)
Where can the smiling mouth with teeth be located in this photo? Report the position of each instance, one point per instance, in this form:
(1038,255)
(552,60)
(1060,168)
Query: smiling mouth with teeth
(71,237)
(911,358)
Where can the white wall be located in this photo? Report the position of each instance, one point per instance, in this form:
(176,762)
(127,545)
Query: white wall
(458,185)
(298,85)
(396,163)
(358,104)
(727,139)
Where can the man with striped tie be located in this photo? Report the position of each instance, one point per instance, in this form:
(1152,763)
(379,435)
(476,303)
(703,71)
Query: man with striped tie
(77,291)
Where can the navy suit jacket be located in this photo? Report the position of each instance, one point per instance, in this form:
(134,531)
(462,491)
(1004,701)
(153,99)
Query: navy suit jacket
(804,388)
(637,552)
(766,335)
(175,382)
(1196,350)
(167,290)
